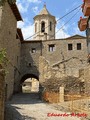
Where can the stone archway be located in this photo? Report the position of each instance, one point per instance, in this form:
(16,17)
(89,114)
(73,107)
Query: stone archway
(29,83)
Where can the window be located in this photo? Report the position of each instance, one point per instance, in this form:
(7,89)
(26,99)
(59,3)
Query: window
(35,27)
(51,48)
(29,64)
(50,26)
(78,46)
(70,46)
(43,26)
(33,50)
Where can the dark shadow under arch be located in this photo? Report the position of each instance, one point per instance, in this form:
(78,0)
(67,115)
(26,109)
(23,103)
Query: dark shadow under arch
(26,76)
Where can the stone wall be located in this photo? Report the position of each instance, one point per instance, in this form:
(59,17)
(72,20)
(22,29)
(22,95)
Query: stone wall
(85,77)
(51,78)
(74,58)
(51,97)
(8,30)
(47,71)
(29,60)
(0,14)
(68,61)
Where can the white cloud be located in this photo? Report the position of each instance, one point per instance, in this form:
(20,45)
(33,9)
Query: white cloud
(61,34)
(23,5)
(23,8)
(27,30)
(35,10)
(29,1)
(34,1)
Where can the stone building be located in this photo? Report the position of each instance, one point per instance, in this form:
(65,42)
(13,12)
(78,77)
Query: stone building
(10,40)
(46,58)
(69,53)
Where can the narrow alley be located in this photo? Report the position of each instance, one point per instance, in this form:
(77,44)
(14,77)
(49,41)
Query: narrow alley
(29,107)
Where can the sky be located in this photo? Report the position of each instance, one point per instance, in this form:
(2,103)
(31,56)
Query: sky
(30,8)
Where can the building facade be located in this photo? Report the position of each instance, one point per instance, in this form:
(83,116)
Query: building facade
(71,51)
(9,15)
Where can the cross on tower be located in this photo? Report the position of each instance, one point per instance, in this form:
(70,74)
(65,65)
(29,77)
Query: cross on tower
(44,4)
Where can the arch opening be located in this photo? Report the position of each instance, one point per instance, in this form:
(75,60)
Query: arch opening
(29,84)
(43,26)
(50,26)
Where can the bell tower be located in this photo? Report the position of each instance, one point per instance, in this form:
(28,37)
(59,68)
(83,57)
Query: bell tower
(44,25)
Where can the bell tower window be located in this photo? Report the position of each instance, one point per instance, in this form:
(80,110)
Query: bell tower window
(43,26)
(50,26)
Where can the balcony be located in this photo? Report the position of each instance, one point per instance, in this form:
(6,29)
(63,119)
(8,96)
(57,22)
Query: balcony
(86,8)
(82,24)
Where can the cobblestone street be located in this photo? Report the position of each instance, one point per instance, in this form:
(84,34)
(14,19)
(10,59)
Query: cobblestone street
(29,107)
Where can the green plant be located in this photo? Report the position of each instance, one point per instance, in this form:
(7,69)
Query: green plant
(3,60)
(2,56)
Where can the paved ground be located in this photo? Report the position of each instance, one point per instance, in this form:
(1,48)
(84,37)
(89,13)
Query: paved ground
(31,108)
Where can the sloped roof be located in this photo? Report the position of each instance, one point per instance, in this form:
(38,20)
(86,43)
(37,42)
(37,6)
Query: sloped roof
(76,37)
(15,11)
(44,11)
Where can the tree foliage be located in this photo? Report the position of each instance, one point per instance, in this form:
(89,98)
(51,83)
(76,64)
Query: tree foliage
(3,56)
